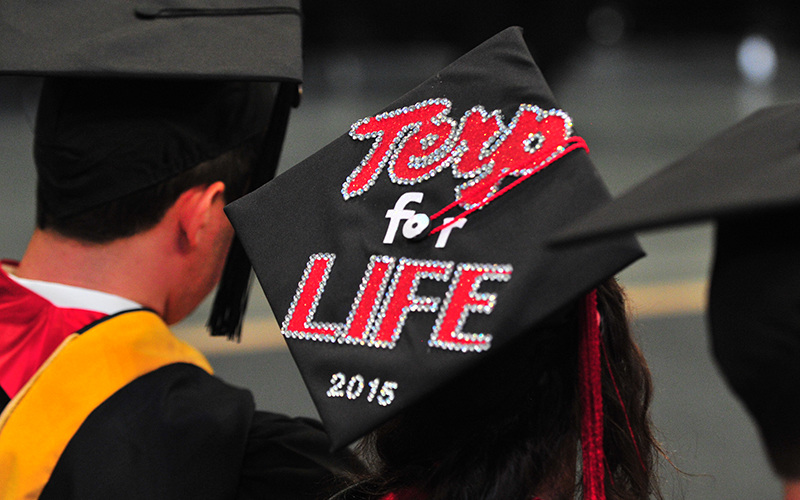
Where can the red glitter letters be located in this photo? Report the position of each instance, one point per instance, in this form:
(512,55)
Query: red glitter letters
(381,306)
(417,142)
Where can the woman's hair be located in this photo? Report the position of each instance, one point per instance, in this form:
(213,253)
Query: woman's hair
(510,429)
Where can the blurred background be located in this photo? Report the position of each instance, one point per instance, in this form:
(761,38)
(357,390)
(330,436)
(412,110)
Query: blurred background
(645,83)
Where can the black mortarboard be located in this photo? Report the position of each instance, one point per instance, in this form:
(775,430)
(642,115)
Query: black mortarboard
(754,165)
(197,39)
(175,74)
(748,180)
(100,139)
(378,308)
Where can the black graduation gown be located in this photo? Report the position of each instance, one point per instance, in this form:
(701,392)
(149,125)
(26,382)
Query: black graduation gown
(175,431)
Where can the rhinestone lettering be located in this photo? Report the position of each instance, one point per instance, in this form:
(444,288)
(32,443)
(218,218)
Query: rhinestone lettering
(368,300)
(355,388)
(461,300)
(408,161)
(480,147)
(529,143)
(337,382)
(401,297)
(387,294)
(299,322)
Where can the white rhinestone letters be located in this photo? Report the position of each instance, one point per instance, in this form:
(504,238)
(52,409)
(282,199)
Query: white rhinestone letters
(355,387)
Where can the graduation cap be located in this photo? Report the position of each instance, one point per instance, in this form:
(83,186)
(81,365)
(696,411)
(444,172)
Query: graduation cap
(411,248)
(752,166)
(197,39)
(177,73)
(747,179)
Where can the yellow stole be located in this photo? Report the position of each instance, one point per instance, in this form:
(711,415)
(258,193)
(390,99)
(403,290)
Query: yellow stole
(84,371)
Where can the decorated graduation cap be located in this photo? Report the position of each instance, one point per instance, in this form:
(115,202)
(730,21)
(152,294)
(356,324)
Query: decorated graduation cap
(138,93)
(746,179)
(411,248)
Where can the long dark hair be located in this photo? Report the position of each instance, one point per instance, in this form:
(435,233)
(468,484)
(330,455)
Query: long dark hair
(510,429)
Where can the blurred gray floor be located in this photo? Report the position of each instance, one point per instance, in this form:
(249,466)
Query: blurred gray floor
(639,106)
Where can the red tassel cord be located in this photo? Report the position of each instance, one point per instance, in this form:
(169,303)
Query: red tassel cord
(570,145)
(591,394)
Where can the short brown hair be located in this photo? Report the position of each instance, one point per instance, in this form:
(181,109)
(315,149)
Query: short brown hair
(143,209)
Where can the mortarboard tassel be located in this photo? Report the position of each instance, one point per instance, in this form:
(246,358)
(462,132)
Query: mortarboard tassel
(568,146)
(591,394)
(230,302)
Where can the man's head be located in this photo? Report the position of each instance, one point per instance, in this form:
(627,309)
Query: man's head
(119,159)
(141,210)
(123,150)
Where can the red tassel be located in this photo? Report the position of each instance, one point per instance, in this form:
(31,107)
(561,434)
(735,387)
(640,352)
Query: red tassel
(570,145)
(591,394)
